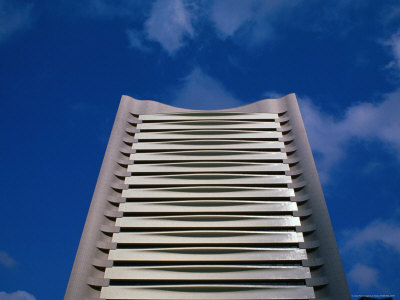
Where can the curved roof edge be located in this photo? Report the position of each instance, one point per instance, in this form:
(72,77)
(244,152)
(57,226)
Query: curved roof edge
(277,105)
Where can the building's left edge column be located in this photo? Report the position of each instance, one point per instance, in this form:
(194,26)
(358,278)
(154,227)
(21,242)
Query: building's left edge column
(87,276)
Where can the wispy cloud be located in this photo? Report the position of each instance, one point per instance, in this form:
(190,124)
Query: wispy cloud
(173,23)
(364,276)
(228,16)
(169,24)
(6,260)
(137,40)
(365,121)
(272,95)
(14,16)
(324,135)
(394,43)
(377,232)
(201,91)
(18,295)
(372,246)
(250,20)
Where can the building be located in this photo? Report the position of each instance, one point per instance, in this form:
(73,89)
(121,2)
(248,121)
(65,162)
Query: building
(220,204)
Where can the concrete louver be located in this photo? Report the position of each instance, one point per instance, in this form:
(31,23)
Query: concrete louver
(207,205)
(209,115)
(210,166)
(208,124)
(208,134)
(207,221)
(208,179)
(207,272)
(206,192)
(208,291)
(207,144)
(208,254)
(220,237)
(209,155)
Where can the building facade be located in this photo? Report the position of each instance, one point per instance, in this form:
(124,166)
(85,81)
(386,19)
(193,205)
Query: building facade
(220,204)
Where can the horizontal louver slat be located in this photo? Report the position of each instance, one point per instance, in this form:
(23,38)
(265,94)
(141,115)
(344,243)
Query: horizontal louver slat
(210,134)
(207,144)
(207,125)
(209,254)
(220,237)
(206,179)
(207,192)
(209,206)
(214,221)
(208,272)
(207,291)
(210,166)
(208,116)
(208,155)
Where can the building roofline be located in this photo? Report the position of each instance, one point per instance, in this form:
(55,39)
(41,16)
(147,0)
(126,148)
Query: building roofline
(275,105)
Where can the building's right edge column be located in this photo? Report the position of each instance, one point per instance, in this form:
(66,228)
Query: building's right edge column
(328,277)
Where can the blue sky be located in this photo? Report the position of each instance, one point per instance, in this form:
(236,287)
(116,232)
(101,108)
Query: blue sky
(65,64)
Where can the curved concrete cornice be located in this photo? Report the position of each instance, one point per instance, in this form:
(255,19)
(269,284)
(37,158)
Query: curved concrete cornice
(264,105)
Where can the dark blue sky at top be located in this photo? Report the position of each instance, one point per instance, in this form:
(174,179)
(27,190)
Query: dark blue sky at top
(65,65)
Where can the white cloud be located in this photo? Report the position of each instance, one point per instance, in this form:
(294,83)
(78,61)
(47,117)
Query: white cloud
(14,17)
(394,44)
(18,295)
(169,24)
(364,121)
(377,232)
(249,21)
(364,276)
(136,40)
(362,245)
(324,136)
(6,260)
(172,22)
(272,95)
(229,15)
(200,91)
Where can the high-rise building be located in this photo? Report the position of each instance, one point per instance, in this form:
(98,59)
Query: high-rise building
(222,204)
